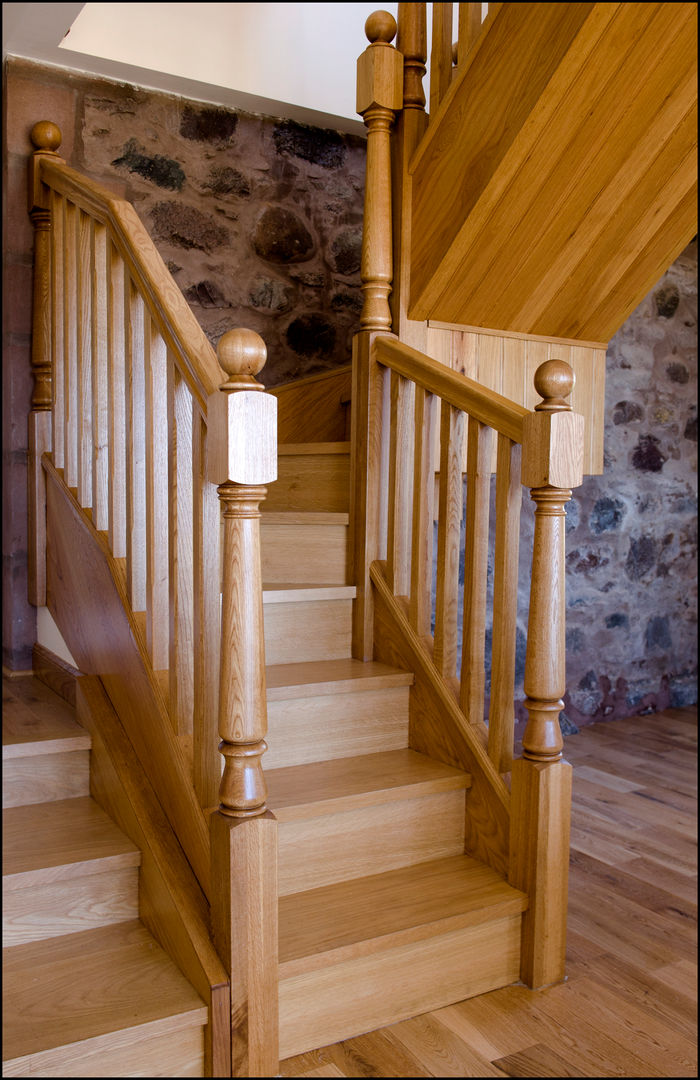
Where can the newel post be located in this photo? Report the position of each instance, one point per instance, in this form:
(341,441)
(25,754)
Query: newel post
(46,138)
(242,422)
(379,96)
(541,779)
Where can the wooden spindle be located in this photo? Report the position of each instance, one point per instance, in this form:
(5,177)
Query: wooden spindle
(116,367)
(242,458)
(57,334)
(423,517)
(157,423)
(440,55)
(452,431)
(100,376)
(411,42)
(379,95)
(46,138)
(84,359)
(70,345)
(400,485)
(180,502)
(472,680)
(541,780)
(469,30)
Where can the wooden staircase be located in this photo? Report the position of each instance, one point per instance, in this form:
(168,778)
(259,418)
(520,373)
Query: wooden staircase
(87,991)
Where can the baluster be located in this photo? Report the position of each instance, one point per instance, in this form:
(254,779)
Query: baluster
(242,458)
(411,44)
(182,643)
(57,332)
(440,55)
(472,680)
(469,30)
(84,360)
(379,95)
(452,427)
(400,485)
(46,138)
(70,345)
(116,367)
(505,603)
(541,780)
(158,421)
(100,377)
(423,516)
(135,413)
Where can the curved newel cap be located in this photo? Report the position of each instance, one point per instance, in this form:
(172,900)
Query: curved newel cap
(380,28)
(242,354)
(45,135)
(554,380)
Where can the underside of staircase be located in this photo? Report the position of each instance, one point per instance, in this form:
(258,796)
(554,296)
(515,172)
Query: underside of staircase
(382,914)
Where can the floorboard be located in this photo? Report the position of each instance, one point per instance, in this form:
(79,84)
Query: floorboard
(629,1004)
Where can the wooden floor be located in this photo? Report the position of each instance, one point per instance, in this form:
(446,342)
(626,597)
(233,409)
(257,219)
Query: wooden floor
(629,1005)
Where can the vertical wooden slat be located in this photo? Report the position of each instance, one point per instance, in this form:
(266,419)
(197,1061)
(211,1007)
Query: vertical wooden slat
(469,30)
(100,378)
(505,603)
(116,362)
(182,645)
(400,485)
(70,326)
(135,447)
(84,361)
(422,529)
(157,423)
(452,429)
(206,620)
(57,334)
(479,440)
(440,54)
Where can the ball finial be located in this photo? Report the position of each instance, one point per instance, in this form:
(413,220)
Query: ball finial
(242,354)
(380,26)
(554,381)
(45,135)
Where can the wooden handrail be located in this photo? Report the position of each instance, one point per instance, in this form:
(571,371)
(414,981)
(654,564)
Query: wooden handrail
(484,405)
(167,306)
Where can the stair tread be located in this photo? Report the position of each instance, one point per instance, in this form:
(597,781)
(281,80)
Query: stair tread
(35,720)
(320,787)
(352,918)
(314,448)
(285,593)
(304,517)
(323,677)
(90,985)
(48,841)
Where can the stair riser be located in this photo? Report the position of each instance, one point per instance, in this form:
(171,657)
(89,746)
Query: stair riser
(177,1053)
(321,850)
(318,1008)
(52,909)
(336,726)
(310,482)
(307,631)
(45,778)
(311,554)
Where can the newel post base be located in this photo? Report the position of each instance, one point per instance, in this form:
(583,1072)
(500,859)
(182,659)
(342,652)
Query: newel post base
(244,924)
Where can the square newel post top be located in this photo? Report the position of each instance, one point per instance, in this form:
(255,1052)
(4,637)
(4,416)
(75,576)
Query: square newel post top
(380,67)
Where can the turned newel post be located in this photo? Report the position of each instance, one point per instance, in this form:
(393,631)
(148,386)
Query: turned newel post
(379,96)
(541,780)
(46,138)
(242,424)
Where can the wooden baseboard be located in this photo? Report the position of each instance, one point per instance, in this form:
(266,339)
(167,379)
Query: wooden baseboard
(57,674)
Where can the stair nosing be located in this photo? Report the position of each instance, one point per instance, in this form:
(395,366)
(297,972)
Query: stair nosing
(36,747)
(299,593)
(389,678)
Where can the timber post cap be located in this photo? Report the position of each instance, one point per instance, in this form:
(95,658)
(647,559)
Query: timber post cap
(45,135)
(554,380)
(380,27)
(242,354)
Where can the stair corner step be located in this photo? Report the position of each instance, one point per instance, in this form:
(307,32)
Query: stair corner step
(325,677)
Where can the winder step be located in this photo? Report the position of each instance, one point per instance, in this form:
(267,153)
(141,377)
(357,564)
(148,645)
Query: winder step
(311,476)
(306,622)
(105,1002)
(366,953)
(307,547)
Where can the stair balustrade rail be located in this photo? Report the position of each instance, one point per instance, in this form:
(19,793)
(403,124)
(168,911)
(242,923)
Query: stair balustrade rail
(133,409)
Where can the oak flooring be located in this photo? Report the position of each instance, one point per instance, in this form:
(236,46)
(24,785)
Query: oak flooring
(629,1004)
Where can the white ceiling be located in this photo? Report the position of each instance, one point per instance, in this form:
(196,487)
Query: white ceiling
(291,60)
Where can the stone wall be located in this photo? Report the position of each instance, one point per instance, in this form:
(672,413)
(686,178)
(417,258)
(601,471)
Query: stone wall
(259,221)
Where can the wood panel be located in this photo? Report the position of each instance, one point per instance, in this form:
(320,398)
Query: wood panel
(314,409)
(86,597)
(592,105)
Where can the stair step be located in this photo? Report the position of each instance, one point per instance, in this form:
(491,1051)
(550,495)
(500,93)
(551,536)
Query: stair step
(305,622)
(361,954)
(45,752)
(351,817)
(311,476)
(104,1002)
(305,547)
(66,867)
(334,709)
